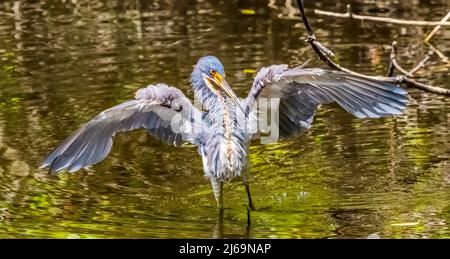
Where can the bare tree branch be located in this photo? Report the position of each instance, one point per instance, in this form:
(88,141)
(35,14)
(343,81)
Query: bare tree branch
(432,50)
(394,61)
(401,79)
(391,68)
(349,14)
(431,46)
(422,63)
(428,38)
(419,85)
(441,55)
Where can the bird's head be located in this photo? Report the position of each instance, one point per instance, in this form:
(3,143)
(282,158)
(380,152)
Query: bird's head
(212,74)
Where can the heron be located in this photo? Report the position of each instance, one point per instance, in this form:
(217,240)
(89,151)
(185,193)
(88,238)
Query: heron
(222,137)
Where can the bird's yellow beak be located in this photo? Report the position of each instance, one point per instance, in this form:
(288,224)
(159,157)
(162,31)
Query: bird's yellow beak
(223,84)
(220,81)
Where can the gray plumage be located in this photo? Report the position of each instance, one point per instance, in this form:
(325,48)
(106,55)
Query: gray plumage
(221,131)
(301,91)
(154,109)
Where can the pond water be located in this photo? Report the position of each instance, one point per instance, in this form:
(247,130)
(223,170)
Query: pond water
(62,62)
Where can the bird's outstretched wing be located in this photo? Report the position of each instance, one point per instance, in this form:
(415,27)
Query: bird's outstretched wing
(163,111)
(301,91)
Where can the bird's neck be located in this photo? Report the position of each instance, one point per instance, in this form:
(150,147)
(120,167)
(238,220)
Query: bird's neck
(207,97)
(197,80)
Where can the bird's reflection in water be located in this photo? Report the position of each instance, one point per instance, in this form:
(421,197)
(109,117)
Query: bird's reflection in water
(218,230)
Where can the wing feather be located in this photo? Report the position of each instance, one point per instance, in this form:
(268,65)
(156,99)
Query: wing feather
(301,91)
(154,109)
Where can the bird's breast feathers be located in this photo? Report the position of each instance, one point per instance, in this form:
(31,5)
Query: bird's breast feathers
(225,150)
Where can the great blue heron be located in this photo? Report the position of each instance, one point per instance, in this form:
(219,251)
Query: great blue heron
(223,139)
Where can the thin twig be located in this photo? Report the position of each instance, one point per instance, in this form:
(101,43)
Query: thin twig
(394,61)
(430,45)
(400,68)
(428,38)
(313,42)
(441,55)
(431,50)
(422,63)
(351,15)
(413,83)
(401,79)
(391,65)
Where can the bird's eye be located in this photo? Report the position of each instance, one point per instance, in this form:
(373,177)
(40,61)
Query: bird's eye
(212,72)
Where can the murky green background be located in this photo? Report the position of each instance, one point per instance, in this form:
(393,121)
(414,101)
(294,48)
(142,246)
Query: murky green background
(63,61)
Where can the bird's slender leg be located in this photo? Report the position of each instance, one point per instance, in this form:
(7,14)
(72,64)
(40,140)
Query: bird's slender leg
(247,188)
(218,228)
(218,191)
(247,229)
